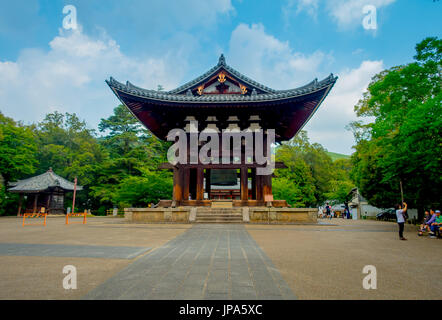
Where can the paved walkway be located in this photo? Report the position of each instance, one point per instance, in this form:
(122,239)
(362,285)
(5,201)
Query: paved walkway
(205,262)
(61,250)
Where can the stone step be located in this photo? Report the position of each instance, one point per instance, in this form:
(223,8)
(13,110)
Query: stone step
(215,215)
(219,217)
(222,204)
(218,221)
(219,210)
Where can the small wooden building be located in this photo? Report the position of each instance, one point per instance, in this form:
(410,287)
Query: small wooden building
(43,191)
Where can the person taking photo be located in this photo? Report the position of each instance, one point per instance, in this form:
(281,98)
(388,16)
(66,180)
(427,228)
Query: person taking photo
(401,211)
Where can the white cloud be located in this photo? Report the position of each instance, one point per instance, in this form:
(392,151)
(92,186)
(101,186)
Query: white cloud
(268,60)
(271,61)
(174,14)
(309,6)
(70,77)
(327,126)
(346,13)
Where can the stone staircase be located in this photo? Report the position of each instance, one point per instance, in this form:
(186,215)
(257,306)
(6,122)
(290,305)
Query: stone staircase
(218,215)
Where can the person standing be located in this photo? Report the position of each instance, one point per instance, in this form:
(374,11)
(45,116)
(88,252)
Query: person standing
(401,209)
(328,210)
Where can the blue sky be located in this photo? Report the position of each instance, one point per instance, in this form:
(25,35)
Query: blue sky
(282,44)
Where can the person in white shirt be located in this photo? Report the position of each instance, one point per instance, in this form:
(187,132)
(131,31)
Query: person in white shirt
(400,211)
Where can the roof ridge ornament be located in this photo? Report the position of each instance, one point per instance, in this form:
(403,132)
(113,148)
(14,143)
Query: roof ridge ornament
(222,60)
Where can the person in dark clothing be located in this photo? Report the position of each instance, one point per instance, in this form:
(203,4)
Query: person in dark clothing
(327,210)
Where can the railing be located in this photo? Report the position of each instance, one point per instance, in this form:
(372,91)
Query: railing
(41,214)
(78,214)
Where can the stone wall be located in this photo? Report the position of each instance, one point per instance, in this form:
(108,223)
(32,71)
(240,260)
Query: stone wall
(157,215)
(250,215)
(283,215)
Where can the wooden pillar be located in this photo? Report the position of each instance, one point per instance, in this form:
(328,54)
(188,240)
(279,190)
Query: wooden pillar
(35,203)
(253,183)
(48,201)
(199,184)
(259,195)
(267,185)
(208,186)
(186,183)
(20,202)
(244,184)
(177,185)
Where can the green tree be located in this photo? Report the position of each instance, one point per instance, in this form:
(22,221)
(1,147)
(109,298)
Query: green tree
(68,146)
(341,184)
(17,149)
(134,158)
(17,159)
(404,143)
(139,191)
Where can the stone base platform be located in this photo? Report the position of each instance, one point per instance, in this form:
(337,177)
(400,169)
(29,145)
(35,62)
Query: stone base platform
(249,215)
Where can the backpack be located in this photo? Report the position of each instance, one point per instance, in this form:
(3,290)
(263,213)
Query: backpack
(405,215)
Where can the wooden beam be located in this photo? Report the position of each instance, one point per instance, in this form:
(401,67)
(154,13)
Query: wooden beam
(278,165)
(168,166)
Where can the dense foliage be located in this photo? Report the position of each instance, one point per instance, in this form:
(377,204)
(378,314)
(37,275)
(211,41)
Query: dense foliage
(404,142)
(311,176)
(18,149)
(119,167)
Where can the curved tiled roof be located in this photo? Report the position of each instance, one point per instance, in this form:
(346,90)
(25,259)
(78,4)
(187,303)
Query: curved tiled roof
(42,182)
(285,110)
(222,65)
(173,96)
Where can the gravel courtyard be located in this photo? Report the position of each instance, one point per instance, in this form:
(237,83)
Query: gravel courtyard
(116,260)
